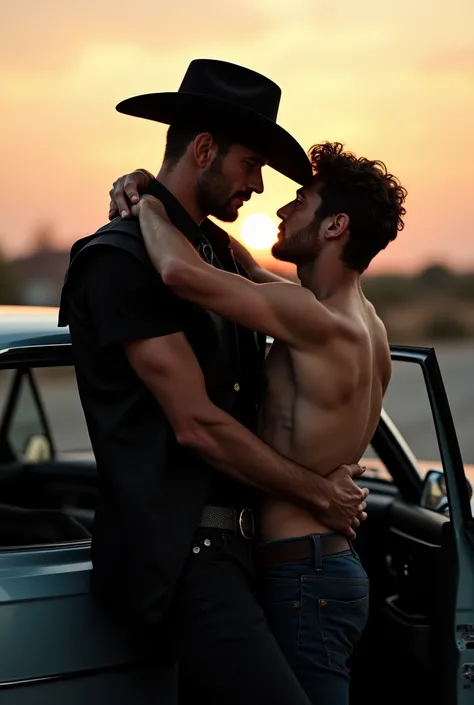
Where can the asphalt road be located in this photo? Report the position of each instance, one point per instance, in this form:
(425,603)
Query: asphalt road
(406,402)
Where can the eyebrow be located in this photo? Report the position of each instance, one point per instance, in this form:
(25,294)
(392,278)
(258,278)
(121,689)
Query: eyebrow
(258,160)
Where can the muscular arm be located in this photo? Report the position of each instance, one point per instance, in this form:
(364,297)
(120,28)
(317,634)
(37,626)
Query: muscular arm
(286,311)
(168,366)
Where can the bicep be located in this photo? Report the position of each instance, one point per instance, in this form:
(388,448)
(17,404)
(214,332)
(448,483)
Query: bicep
(168,367)
(286,311)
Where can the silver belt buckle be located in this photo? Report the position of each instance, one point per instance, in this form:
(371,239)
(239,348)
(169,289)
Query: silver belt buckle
(247,524)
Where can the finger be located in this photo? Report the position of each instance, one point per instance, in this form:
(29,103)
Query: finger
(362,507)
(131,189)
(365,492)
(362,516)
(357,470)
(113,211)
(351,534)
(355,523)
(136,183)
(121,203)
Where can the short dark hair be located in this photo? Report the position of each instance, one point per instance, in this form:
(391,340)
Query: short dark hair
(179,137)
(371,197)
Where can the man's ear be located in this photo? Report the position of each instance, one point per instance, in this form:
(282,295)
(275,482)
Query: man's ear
(204,149)
(337,226)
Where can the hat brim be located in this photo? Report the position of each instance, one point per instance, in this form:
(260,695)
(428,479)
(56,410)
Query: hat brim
(282,152)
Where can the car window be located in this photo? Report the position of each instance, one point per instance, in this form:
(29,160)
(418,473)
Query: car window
(25,431)
(48,478)
(407,403)
(375,468)
(57,388)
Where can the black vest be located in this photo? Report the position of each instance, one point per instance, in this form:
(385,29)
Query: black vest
(142,580)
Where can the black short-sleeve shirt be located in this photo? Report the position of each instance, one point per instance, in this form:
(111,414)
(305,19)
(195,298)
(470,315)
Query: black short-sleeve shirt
(151,489)
(126,301)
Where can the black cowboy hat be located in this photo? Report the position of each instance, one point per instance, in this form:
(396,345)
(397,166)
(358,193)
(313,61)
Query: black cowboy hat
(231,99)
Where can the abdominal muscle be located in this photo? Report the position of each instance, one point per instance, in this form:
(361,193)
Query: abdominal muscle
(311,426)
(281,519)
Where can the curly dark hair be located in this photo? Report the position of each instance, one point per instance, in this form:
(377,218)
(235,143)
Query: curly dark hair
(364,190)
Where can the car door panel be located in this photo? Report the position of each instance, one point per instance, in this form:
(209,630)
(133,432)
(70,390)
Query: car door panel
(421,566)
(41,592)
(57,645)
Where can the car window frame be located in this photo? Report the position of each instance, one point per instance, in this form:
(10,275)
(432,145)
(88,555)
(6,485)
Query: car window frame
(24,375)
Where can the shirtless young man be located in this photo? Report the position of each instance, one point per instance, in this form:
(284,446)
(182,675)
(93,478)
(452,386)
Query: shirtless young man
(326,376)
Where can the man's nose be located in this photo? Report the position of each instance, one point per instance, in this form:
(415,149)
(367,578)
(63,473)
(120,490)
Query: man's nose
(257,183)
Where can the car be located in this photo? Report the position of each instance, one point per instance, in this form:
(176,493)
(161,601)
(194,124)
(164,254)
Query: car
(58,646)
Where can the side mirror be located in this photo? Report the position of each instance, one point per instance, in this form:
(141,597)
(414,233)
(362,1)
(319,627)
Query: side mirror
(434,495)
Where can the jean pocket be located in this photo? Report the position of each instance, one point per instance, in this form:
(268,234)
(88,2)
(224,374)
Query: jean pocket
(342,623)
(280,591)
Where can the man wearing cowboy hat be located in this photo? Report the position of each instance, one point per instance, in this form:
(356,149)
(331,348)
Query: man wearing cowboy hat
(170,391)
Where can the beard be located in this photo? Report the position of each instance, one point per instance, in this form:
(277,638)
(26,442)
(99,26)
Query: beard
(301,247)
(214,194)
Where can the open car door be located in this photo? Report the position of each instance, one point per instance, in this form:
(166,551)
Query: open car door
(453,631)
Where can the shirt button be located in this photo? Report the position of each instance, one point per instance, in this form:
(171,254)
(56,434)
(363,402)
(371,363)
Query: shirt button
(237,387)
(196,549)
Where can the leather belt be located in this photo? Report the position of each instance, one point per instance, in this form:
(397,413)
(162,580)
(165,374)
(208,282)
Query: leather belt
(229,519)
(299,549)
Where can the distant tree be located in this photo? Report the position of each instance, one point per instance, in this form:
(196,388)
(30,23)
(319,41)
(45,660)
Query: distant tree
(44,238)
(390,290)
(437,278)
(440,327)
(8,288)
(464,287)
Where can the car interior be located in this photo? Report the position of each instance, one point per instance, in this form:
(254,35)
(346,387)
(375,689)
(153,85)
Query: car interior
(403,546)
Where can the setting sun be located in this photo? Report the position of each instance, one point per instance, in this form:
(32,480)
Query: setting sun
(258,231)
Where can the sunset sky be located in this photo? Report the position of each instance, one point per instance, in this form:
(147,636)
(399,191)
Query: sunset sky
(393,81)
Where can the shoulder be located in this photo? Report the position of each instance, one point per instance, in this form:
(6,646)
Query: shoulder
(381,344)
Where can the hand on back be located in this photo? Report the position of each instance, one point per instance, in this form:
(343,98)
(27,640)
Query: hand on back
(125,192)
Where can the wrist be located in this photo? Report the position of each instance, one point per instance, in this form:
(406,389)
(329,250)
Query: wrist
(321,493)
(151,204)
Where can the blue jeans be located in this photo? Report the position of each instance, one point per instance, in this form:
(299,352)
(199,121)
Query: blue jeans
(317,609)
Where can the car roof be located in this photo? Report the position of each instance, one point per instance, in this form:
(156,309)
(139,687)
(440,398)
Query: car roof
(23,326)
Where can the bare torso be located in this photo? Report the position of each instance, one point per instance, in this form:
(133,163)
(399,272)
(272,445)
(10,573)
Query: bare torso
(322,406)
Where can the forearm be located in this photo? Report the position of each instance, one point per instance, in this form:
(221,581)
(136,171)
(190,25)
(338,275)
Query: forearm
(165,243)
(233,449)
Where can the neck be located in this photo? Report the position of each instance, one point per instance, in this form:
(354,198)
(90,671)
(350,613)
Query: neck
(327,275)
(182,185)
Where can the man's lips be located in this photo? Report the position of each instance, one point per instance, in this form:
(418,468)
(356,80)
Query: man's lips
(241,199)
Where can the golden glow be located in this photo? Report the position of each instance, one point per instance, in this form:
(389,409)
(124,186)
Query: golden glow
(258,231)
(62,140)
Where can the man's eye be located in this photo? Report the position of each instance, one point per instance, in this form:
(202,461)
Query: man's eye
(299,203)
